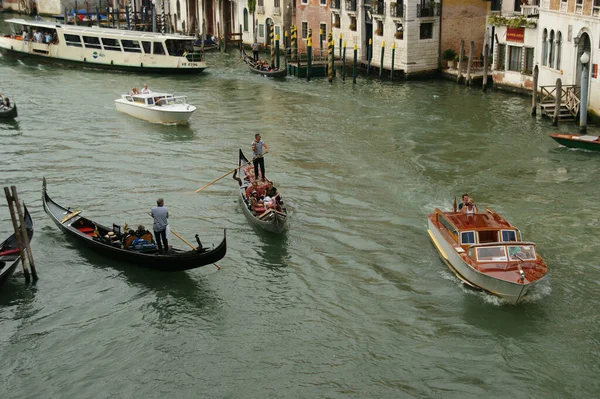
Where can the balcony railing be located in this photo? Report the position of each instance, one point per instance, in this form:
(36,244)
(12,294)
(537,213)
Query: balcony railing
(428,9)
(528,10)
(260,9)
(335,4)
(276,10)
(378,7)
(397,10)
(351,5)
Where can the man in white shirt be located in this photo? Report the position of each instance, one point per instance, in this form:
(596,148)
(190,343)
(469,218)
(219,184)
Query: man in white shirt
(145,90)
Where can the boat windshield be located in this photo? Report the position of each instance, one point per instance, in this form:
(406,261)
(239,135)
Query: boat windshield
(491,254)
(172,100)
(521,252)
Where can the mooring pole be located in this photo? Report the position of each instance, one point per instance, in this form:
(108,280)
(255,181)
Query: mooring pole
(293,44)
(486,50)
(341,45)
(309,56)
(344,63)
(369,55)
(534,94)
(393,57)
(277,51)
(585,59)
(285,48)
(460,60)
(13,217)
(330,56)
(355,62)
(557,101)
(24,235)
(381,62)
(272,60)
(470,62)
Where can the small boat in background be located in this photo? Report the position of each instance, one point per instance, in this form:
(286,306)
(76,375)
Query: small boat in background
(156,107)
(486,252)
(9,250)
(208,45)
(259,69)
(8,112)
(585,142)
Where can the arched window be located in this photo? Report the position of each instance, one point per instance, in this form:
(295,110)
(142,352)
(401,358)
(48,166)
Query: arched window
(245,20)
(551,55)
(558,49)
(545,47)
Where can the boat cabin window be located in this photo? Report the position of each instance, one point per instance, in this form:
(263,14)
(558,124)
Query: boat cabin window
(488,236)
(73,40)
(91,42)
(111,44)
(444,222)
(521,252)
(467,237)
(141,100)
(179,47)
(147,47)
(509,236)
(131,46)
(491,254)
(128,98)
(158,48)
(150,101)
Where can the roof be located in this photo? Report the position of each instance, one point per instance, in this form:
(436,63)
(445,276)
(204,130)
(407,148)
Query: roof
(97,30)
(478,221)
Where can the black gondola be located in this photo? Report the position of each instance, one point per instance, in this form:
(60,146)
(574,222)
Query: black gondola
(254,67)
(112,242)
(9,250)
(273,220)
(8,112)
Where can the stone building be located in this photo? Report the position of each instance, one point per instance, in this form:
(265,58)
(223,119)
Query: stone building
(313,15)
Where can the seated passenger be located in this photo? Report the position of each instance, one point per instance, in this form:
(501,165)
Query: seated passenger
(469,208)
(134,91)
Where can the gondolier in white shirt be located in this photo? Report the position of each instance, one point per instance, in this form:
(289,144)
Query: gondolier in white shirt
(258,151)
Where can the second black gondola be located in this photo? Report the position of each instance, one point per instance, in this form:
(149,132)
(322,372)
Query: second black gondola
(254,67)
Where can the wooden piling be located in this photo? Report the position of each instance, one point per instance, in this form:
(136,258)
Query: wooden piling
(534,92)
(486,50)
(381,61)
(460,60)
(24,235)
(15,223)
(470,63)
(557,102)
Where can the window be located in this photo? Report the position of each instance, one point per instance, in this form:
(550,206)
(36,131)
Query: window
(323,31)
(521,252)
(147,47)
(514,58)
(245,20)
(91,42)
(304,2)
(323,2)
(399,34)
(501,57)
(545,48)
(158,48)
(278,32)
(551,54)
(426,30)
(352,23)
(596,8)
(579,6)
(336,20)
(488,236)
(261,3)
(111,44)
(467,237)
(491,254)
(131,46)
(261,30)
(379,30)
(528,60)
(304,31)
(276,3)
(509,235)
(73,40)
(558,49)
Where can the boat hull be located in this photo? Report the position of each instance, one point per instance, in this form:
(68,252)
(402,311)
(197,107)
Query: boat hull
(10,113)
(509,291)
(157,114)
(590,143)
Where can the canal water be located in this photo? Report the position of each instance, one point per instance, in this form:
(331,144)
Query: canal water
(352,301)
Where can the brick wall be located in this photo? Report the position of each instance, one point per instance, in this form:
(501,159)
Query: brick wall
(466,20)
(315,14)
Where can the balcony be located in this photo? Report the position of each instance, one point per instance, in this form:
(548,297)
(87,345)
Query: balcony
(335,4)
(529,10)
(276,11)
(378,7)
(351,5)
(397,10)
(428,9)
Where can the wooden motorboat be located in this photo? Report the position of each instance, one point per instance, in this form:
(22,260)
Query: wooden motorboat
(585,142)
(156,107)
(269,219)
(94,47)
(8,112)
(111,242)
(9,250)
(258,69)
(487,252)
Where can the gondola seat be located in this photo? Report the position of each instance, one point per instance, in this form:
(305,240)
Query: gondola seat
(9,252)
(87,230)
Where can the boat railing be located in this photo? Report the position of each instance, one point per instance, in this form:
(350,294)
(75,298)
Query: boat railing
(491,244)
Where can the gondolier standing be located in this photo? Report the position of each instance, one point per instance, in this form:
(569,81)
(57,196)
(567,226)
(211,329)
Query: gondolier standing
(255,50)
(160,213)
(258,147)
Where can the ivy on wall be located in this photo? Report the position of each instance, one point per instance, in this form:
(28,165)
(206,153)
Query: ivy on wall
(518,21)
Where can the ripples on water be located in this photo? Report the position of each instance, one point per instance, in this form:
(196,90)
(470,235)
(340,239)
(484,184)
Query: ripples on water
(353,301)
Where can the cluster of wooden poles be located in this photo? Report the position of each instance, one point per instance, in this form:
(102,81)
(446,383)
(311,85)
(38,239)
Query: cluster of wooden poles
(18,221)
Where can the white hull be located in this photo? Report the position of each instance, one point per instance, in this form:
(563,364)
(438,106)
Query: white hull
(509,291)
(176,114)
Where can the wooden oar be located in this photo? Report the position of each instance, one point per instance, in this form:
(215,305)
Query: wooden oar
(228,173)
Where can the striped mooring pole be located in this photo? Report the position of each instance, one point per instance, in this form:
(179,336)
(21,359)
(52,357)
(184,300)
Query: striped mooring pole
(271,39)
(163,28)
(128,16)
(330,55)
(293,44)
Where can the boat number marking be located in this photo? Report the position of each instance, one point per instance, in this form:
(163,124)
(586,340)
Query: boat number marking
(189,64)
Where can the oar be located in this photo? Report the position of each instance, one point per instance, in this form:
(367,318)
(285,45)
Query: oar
(182,239)
(230,172)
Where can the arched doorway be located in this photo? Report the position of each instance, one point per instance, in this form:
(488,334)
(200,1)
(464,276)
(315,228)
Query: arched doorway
(584,44)
(268,25)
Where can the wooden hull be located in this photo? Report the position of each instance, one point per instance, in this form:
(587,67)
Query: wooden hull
(176,114)
(511,292)
(274,222)
(10,259)
(281,73)
(591,143)
(175,260)
(9,113)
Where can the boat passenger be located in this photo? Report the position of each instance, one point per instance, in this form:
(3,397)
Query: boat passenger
(47,38)
(134,91)
(469,208)
(7,102)
(37,36)
(145,90)
(465,199)
(1,99)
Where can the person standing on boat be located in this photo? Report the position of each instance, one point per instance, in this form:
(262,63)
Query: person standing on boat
(145,90)
(258,147)
(160,213)
(255,50)
(465,200)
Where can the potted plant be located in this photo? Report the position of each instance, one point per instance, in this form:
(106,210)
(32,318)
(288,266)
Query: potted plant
(379,32)
(399,35)
(449,55)
(352,27)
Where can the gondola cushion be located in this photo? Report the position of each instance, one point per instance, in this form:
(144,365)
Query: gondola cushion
(139,243)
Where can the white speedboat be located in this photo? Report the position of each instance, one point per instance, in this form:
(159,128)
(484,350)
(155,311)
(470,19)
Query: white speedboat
(95,47)
(156,107)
